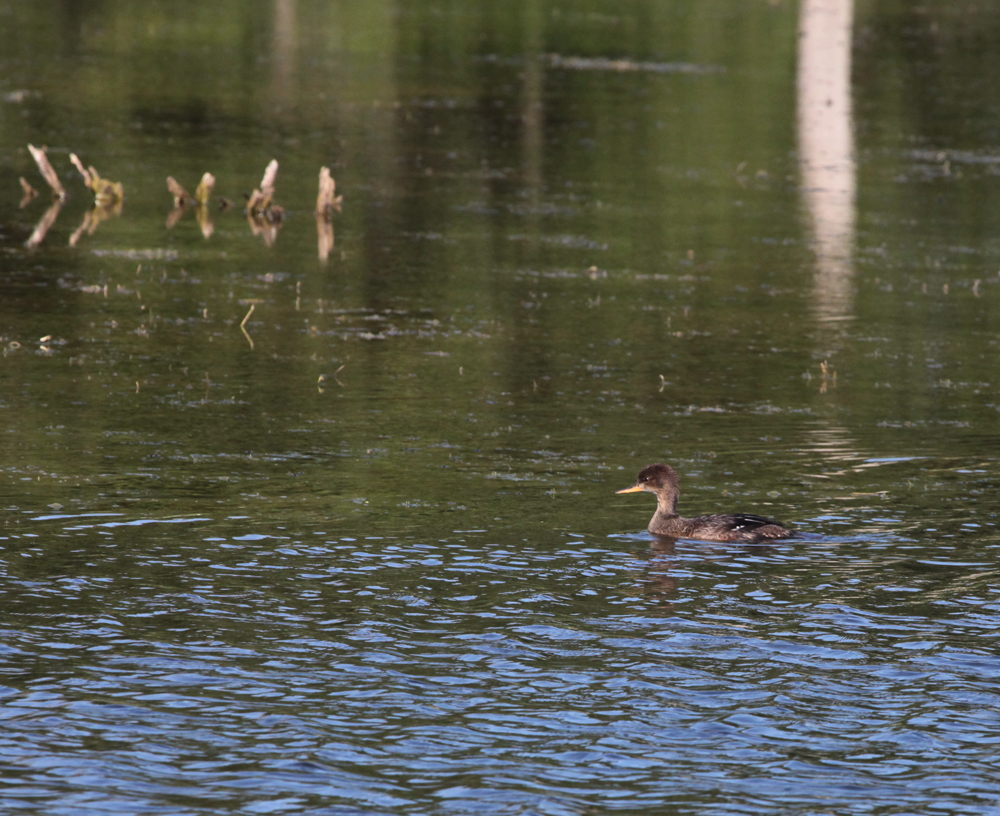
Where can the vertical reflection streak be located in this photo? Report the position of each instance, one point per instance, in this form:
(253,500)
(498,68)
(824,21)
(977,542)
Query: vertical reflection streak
(532,115)
(283,46)
(826,149)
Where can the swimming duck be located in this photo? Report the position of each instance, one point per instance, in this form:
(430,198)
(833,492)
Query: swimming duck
(665,483)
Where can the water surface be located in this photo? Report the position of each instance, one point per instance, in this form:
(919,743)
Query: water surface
(359,550)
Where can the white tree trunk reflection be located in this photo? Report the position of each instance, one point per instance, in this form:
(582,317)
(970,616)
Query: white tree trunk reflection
(826,148)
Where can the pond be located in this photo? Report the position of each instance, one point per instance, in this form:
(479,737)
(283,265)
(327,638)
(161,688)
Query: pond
(317,514)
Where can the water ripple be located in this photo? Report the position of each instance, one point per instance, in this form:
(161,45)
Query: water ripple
(296,673)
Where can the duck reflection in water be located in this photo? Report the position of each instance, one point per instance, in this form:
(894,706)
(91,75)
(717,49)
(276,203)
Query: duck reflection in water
(656,580)
(663,481)
(660,585)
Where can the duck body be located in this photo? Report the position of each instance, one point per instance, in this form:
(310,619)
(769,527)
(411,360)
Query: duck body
(663,481)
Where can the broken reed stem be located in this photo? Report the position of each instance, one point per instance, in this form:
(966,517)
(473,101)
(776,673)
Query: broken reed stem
(327,188)
(327,199)
(243,326)
(204,190)
(106,193)
(87,178)
(260,199)
(181,196)
(324,377)
(245,319)
(48,171)
(270,174)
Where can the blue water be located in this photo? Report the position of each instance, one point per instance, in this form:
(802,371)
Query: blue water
(174,665)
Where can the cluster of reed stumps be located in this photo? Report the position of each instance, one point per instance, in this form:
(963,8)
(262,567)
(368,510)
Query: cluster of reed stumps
(263,214)
(108,197)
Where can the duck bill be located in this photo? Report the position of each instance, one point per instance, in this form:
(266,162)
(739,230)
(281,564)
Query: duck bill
(633,489)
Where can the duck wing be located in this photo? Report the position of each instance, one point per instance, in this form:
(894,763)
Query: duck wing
(758,526)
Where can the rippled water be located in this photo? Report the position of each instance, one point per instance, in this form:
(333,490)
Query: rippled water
(183,664)
(358,550)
